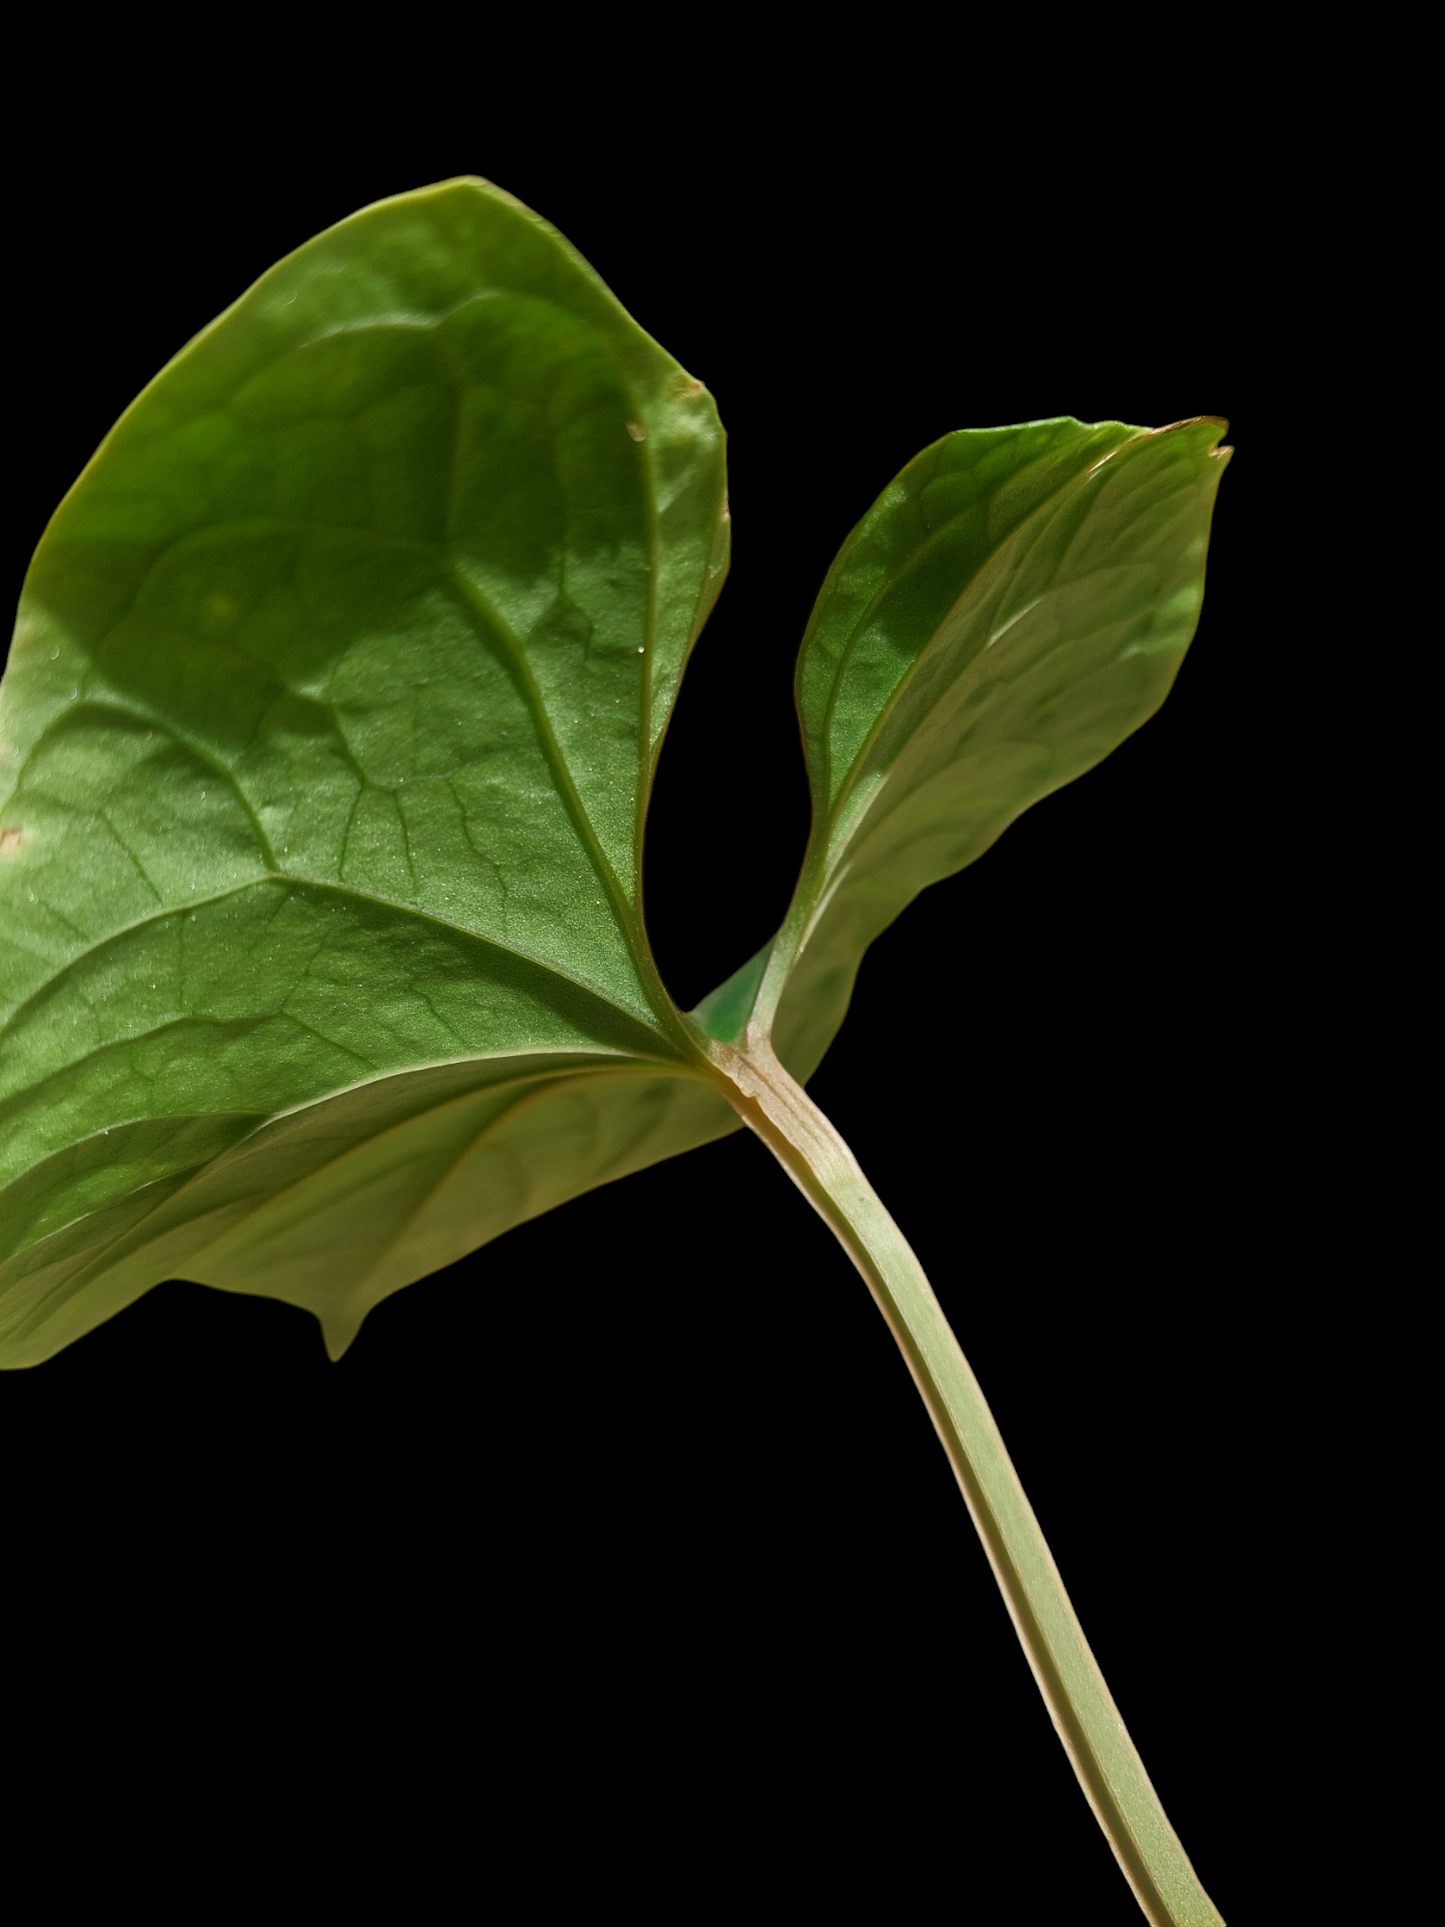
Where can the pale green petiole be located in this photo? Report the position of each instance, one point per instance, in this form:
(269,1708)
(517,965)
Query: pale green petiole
(1084,1714)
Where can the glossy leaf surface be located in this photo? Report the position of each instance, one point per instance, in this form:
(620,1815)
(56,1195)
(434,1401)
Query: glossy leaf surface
(1015,604)
(336,1204)
(328,730)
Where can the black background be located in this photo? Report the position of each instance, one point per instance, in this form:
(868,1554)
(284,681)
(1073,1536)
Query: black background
(636,1511)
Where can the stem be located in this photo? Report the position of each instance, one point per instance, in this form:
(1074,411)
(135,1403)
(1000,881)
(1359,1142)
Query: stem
(1087,1721)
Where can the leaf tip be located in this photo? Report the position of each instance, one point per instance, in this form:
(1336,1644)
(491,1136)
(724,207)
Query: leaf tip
(337,1332)
(1219,422)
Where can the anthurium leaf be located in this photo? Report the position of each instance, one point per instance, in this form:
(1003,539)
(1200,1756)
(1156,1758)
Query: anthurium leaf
(327,735)
(336,1204)
(325,751)
(1015,604)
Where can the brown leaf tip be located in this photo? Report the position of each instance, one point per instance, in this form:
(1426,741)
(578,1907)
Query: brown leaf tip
(1192,421)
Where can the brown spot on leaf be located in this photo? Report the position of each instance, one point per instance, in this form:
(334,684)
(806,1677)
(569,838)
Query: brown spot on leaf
(9,842)
(636,431)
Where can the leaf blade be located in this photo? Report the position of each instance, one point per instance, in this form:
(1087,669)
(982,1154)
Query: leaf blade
(983,662)
(336,1204)
(327,734)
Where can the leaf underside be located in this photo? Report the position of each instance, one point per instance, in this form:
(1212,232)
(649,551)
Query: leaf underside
(326,741)
(1015,605)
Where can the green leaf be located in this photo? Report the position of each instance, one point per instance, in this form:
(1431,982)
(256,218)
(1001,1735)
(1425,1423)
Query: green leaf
(1013,606)
(327,736)
(337,1204)
(325,750)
